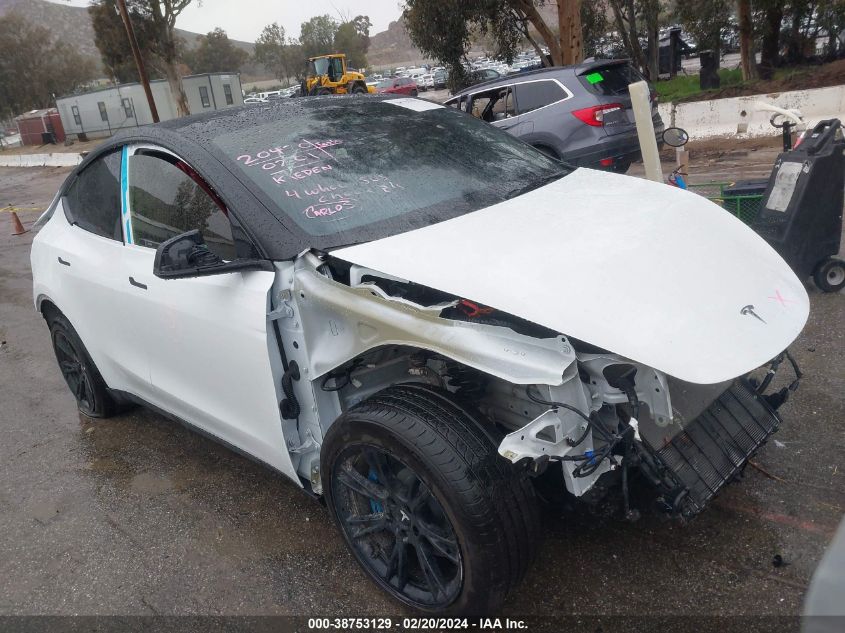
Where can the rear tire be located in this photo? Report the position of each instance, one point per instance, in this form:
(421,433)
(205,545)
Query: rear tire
(830,275)
(414,93)
(414,437)
(81,375)
(621,166)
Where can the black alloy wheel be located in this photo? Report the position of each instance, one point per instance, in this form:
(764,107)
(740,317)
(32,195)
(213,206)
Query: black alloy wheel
(75,370)
(397,527)
(93,397)
(429,509)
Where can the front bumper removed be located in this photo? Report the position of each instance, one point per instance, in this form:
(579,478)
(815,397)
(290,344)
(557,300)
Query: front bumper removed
(714,448)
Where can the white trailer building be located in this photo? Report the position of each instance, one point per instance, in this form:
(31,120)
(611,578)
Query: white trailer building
(101,113)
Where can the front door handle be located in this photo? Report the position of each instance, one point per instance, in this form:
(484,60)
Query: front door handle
(63,262)
(137,284)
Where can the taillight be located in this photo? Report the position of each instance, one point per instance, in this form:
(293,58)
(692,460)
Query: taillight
(655,98)
(595,115)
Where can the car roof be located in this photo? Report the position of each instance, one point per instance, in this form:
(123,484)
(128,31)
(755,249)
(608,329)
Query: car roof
(551,72)
(509,79)
(192,139)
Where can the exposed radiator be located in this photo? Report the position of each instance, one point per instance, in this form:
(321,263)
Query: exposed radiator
(717,444)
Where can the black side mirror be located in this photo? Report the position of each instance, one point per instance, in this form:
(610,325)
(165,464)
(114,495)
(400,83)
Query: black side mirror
(675,137)
(187,255)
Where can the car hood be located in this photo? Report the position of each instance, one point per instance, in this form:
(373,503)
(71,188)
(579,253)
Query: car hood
(654,273)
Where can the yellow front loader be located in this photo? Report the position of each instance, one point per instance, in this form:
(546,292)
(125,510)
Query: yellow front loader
(328,75)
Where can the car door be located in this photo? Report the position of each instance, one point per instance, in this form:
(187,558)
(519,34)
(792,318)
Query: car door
(207,337)
(503,112)
(91,283)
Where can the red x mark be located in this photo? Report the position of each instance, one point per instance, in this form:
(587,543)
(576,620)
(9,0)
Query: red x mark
(782,300)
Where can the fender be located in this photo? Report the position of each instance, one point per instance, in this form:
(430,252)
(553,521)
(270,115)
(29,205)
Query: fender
(343,322)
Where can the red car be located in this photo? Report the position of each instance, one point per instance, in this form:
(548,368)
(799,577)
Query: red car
(398,85)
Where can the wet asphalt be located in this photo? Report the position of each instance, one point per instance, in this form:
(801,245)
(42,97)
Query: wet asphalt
(138,516)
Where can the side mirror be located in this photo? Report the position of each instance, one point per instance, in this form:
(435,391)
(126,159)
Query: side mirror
(187,255)
(675,137)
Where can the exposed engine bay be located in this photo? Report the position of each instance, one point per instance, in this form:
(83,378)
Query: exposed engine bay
(554,402)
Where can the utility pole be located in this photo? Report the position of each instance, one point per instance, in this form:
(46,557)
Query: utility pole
(139,62)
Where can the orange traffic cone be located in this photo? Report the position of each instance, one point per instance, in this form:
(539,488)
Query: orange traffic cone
(17,227)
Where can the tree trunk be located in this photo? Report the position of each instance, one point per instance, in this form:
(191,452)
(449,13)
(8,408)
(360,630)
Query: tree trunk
(536,20)
(172,73)
(794,47)
(770,47)
(621,16)
(532,41)
(746,41)
(569,27)
(652,15)
(176,90)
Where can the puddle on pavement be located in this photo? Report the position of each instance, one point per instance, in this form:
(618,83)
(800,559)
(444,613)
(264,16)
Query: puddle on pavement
(238,508)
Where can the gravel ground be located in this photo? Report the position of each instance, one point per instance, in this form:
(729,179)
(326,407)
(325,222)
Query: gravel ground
(138,516)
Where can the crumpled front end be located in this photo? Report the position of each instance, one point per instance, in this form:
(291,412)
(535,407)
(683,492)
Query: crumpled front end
(687,440)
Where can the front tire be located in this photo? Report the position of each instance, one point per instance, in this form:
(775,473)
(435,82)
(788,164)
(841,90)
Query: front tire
(428,508)
(830,275)
(80,374)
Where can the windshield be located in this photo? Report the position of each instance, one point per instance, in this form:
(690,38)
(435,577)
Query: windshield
(345,171)
(319,66)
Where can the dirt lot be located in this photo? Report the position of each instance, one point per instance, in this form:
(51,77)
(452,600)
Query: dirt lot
(138,516)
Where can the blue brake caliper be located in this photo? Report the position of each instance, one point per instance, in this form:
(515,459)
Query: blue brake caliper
(375,506)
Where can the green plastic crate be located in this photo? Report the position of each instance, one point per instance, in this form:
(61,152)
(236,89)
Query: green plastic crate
(746,208)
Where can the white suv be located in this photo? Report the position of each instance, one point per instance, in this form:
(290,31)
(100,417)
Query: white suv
(421,356)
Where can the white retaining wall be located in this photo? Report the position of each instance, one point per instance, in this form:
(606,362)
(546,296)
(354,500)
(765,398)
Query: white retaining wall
(740,117)
(57,159)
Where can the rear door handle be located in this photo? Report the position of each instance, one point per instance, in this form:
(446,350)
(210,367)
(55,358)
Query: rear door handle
(137,284)
(63,262)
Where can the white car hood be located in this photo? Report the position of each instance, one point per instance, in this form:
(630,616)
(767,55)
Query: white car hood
(659,275)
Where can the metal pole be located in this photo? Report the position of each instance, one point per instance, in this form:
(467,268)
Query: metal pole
(139,62)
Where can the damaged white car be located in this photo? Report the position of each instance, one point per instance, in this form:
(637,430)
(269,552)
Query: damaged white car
(419,318)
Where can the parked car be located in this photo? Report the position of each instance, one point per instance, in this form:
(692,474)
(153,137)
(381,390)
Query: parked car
(426,81)
(398,85)
(417,78)
(580,114)
(439,79)
(250,100)
(481,75)
(290,281)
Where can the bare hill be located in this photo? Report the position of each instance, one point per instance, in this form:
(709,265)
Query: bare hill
(73,24)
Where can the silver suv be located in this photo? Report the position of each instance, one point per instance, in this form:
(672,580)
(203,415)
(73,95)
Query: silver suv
(579,114)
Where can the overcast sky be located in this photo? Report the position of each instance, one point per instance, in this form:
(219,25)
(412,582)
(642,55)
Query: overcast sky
(244,19)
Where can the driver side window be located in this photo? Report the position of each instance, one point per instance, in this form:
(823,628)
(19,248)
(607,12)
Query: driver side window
(167,198)
(493,105)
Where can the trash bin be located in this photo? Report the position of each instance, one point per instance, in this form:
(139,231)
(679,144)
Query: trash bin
(708,76)
(744,198)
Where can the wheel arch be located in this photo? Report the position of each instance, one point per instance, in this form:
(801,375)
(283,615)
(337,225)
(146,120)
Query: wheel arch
(547,149)
(47,307)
